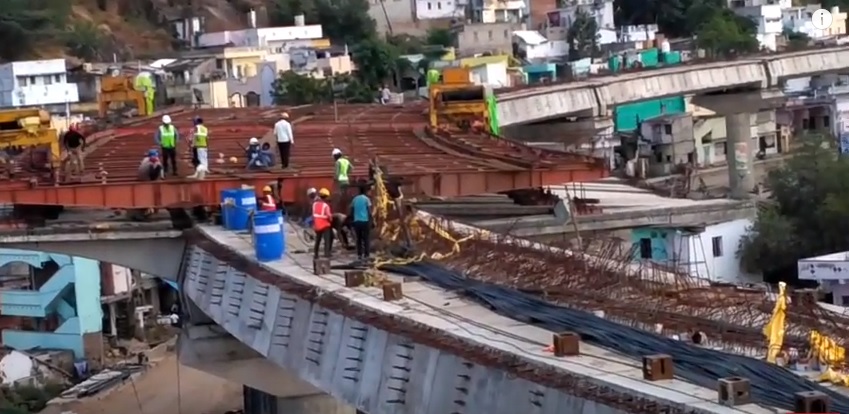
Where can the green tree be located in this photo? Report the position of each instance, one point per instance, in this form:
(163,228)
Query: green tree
(377,62)
(808,215)
(291,88)
(582,36)
(85,41)
(343,21)
(722,35)
(23,23)
(796,40)
(439,37)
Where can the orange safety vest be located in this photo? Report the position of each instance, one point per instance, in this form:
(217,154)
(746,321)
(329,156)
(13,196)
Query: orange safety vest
(321,216)
(268,204)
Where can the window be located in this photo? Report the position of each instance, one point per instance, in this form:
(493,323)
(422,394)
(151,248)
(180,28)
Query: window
(825,121)
(48,80)
(645,248)
(32,80)
(57,78)
(667,129)
(22,80)
(439,5)
(476,36)
(490,35)
(429,6)
(716,243)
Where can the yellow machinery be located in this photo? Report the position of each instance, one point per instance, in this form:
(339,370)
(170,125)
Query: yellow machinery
(120,88)
(455,99)
(22,129)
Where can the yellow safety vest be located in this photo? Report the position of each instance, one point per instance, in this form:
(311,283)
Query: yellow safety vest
(200,136)
(167,136)
(343,165)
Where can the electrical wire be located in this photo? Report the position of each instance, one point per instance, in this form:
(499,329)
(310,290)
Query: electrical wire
(771,385)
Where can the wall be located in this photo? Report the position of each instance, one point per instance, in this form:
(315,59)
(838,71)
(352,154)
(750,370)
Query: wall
(660,240)
(260,36)
(437,9)
(480,38)
(399,13)
(726,266)
(36,83)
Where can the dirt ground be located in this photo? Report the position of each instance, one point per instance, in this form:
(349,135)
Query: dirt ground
(157,392)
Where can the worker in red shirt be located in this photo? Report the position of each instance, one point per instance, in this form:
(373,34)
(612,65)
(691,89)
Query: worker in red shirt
(267,202)
(321,223)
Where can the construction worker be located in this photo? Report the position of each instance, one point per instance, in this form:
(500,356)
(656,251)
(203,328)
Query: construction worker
(167,138)
(150,168)
(361,215)
(340,177)
(200,151)
(285,139)
(321,223)
(267,202)
(338,222)
(74,142)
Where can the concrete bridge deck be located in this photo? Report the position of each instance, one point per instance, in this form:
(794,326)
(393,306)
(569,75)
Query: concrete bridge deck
(599,95)
(432,352)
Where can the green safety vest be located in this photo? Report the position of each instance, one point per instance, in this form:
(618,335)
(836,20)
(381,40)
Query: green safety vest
(200,136)
(167,136)
(343,166)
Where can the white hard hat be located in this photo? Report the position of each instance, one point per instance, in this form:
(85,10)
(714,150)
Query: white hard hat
(254,141)
(166,119)
(336,151)
(311,191)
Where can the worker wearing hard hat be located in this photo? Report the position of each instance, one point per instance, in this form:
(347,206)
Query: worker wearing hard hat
(150,168)
(342,168)
(167,138)
(285,138)
(267,203)
(254,155)
(321,223)
(200,151)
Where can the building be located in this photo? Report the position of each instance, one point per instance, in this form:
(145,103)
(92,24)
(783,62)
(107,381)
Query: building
(55,301)
(439,9)
(556,26)
(705,250)
(667,142)
(493,38)
(498,11)
(530,45)
(42,83)
(277,39)
(831,271)
(768,20)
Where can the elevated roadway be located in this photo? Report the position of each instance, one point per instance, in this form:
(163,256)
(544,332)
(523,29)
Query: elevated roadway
(598,96)
(310,341)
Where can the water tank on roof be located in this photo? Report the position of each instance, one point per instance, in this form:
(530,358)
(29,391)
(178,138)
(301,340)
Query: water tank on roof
(299,20)
(665,47)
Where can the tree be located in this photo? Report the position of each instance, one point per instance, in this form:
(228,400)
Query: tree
(796,40)
(25,22)
(85,41)
(377,61)
(724,36)
(291,88)
(808,215)
(439,37)
(343,21)
(582,36)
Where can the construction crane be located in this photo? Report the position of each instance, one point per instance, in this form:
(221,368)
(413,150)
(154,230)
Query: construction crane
(140,90)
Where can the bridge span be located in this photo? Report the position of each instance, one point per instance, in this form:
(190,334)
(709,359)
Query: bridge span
(313,345)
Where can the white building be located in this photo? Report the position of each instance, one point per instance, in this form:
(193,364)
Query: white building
(769,21)
(439,9)
(559,21)
(271,37)
(710,251)
(832,273)
(498,11)
(533,45)
(36,83)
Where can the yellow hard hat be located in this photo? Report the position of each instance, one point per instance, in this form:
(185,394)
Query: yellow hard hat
(266,189)
(324,192)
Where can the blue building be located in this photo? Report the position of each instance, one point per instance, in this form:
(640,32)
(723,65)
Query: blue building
(59,303)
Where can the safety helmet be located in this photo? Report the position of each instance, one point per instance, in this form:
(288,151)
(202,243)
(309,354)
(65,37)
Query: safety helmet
(198,120)
(73,127)
(254,141)
(166,119)
(152,153)
(311,191)
(266,189)
(336,151)
(324,192)
(285,115)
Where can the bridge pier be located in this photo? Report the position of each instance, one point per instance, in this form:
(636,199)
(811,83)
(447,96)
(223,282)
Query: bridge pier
(737,108)
(259,402)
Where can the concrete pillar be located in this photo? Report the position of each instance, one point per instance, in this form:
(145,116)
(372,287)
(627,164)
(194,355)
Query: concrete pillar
(741,178)
(259,402)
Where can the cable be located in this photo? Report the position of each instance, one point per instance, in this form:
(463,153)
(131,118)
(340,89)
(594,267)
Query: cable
(771,385)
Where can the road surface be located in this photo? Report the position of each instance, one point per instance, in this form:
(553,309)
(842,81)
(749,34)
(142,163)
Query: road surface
(157,394)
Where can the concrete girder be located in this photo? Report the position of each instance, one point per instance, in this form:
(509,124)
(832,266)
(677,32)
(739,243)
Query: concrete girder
(580,101)
(159,253)
(367,367)
(741,102)
(577,132)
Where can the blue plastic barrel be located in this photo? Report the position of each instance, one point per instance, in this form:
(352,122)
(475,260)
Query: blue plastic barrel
(268,241)
(228,202)
(245,201)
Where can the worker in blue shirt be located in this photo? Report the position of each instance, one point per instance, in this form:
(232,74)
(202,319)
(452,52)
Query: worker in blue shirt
(361,222)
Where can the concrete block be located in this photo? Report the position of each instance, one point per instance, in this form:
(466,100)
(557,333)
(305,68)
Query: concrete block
(733,391)
(355,278)
(811,402)
(567,344)
(321,266)
(392,291)
(658,367)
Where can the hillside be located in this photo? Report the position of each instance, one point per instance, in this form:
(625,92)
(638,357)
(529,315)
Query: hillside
(135,29)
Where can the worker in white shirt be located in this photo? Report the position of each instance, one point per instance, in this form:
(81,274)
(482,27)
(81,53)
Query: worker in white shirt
(285,139)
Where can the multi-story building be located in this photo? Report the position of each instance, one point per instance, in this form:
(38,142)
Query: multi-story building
(486,37)
(299,35)
(41,83)
(557,25)
(768,20)
(798,19)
